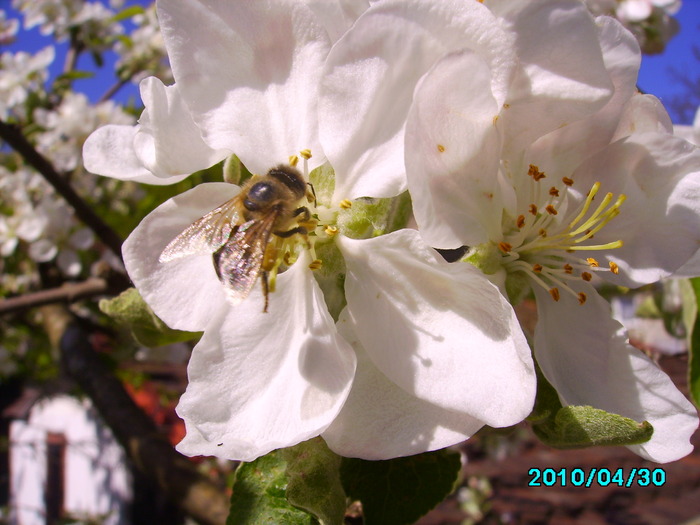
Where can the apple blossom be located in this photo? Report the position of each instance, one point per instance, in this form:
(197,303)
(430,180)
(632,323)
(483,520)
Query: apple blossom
(259,381)
(546,201)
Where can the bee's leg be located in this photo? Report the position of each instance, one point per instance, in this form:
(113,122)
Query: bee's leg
(299,229)
(266,289)
(302,210)
(311,198)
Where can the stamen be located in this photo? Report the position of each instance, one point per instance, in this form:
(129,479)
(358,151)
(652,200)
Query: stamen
(586,205)
(520,222)
(554,292)
(504,247)
(306,153)
(568,268)
(542,233)
(293,161)
(345,204)
(316,264)
(582,298)
(567,181)
(554,192)
(331,231)
(592,262)
(586,276)
(535,173)
(441,148)
(614,268)
(551,209)
(532,209)
(537,268)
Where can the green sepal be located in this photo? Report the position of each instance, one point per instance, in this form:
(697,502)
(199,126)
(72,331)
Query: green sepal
(259,494)
(690,293)
(314,481)
(130,310)
(581,426)
(399,491)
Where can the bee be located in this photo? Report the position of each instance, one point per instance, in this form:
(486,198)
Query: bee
(238,233)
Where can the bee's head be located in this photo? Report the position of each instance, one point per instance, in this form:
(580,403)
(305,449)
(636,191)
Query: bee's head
(260,195)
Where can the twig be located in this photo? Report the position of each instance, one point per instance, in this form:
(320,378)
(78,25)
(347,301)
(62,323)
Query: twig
(196,494)
(114,88)
(14,137)
(69,292)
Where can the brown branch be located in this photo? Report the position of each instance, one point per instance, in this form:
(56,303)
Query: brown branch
(66,293)
(14,137)
(197,495)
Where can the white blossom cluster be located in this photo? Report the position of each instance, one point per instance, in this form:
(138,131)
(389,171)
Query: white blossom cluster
(8,28)
(518,131)
(87,22)
(650,21)
(20,74)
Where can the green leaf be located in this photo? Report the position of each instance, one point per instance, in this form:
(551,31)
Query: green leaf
(585,426)
(399,491)
(129,309)
(129,12)
(75,74)
(691,307)
(259,494)
(581,426)
(314,481)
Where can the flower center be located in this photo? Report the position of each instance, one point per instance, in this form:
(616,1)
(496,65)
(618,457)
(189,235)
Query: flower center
(549,250)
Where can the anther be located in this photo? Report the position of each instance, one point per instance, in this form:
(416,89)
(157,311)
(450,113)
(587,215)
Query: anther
(520,221)
(537,268)
(592,262)
(581,298)
(306,153)
(293,161)
(551,209)
(614,268)
(535,173)
(504,247)
(567,181)
(441,148)
(554,292)
(345,204)
(586,276)
(554,192)
(532,209)
(331,231)
(542,233)
(316,264)
(568,268)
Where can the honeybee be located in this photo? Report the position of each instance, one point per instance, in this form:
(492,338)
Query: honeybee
(238,233)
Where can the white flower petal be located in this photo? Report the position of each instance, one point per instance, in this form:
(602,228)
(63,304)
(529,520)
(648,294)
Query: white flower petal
(584,354)
(167,140)
(372,72)
(263,381)
(563,77)
(109,151)
(453,153)
(382,421)
(185,293)
(249,72)
(440,331)
(658,223)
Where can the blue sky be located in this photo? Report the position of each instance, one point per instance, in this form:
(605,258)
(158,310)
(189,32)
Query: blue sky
(654,78)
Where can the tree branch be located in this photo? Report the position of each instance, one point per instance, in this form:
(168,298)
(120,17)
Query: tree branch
(66,293)
(197,495)
(14,137)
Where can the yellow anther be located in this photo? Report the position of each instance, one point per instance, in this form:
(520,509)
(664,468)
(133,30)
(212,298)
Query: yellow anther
(582,298)
(520,221)
(441,148)
(316,264)
(504,247)
(331,231)
(306,153)
(345,204)
(551,209)
(592,262)
(614,268)
(293,160)
(554,292)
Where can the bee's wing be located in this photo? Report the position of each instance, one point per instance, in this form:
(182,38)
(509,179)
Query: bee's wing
(205,235)
(239,261)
